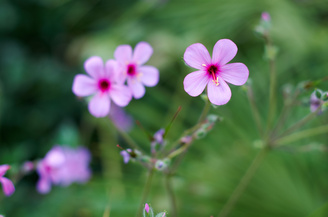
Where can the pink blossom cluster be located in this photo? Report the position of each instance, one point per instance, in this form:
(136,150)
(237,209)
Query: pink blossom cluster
(117,80)
(63,165)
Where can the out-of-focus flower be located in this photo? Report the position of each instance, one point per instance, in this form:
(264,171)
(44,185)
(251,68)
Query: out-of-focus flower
(147,207)
(132,68)
(120,118)
(62,166)
(157,140)
(126,156)
(102,85)
(214,72)
(7,185)
(266,16)
(315,102)
(27,167)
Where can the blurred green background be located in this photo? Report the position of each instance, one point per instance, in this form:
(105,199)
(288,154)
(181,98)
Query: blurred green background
(43,44)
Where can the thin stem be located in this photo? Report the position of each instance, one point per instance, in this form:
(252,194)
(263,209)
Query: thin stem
(273,84)
(302,122)
(145,191)
(255,111)
(170,192)
(205,111)
(189,131)
(243,183)
(285,112)
(300,135)
(127,138)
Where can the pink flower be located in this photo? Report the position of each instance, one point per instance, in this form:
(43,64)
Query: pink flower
(103,85)
(147,207)
(7,185)
(214,72)
(63,166)
(120,118)
(132,68)
(266,16)
(315,102)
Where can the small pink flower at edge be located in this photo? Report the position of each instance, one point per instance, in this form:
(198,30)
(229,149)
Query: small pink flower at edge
(214,72)
(102,84)
(132,68)
(147,207)
(7,185)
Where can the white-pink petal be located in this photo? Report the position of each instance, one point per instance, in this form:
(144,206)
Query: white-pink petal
(224,51)
(3,169)
(123,54)
(234,73)
(142,53)
(196,55)
(99,105)
(195,83)
(218,95)
(121,95)
(136,87)
(84,85)
(112,70)
(149,75)
(7,186)
(94,66)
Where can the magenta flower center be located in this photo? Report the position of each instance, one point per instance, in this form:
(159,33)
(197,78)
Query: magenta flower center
(212,70)
(104,85)
(131,69)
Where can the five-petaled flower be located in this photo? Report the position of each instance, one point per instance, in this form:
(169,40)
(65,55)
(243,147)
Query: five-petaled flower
(131,68)
(103,85)
(214,72)
(7,185)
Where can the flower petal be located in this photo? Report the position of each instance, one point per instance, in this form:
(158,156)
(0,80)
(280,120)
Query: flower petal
(224,50)
(94,66)
(121,95)
(7,186)
(99,105)
(234,73)
(112,70)
(142,53)
(136,87)
(84,85)
(123,54)
(196,55)
(195,83)
(218,95)
(3,169)
(43,186)
(149,75)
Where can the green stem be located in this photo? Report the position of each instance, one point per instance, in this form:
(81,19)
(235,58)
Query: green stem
(170,192)
(273,84)
(243,183)
(300,135)
(145,191)
(189,131)
(301,122)
(127,138)
(255,111)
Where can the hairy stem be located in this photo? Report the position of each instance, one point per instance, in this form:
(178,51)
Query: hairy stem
(239,190)
(145,191)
